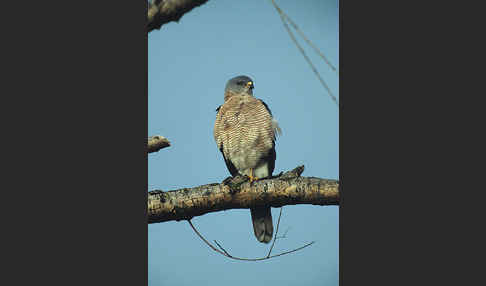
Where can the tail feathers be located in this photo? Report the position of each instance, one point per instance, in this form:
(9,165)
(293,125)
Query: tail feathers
(262,223)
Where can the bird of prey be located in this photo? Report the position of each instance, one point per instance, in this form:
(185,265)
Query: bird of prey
(245,133)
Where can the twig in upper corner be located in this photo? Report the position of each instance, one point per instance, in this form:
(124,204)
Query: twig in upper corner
(284,19)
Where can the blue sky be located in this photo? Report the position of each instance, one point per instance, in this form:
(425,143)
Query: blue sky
(189,65)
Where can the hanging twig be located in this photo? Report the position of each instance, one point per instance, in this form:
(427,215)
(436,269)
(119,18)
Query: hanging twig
(222,248)
(285,234)
(276,232)
(226,253)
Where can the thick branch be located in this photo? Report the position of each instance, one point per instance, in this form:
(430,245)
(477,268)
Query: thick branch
(155,143)
(287,189)
(161,12)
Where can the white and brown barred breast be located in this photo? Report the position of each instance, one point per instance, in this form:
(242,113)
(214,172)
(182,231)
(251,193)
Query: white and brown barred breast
(246,130)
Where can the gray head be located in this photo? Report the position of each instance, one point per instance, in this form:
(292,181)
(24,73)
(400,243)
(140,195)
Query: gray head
(240,84)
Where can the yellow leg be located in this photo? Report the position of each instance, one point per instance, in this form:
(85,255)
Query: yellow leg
(252,178)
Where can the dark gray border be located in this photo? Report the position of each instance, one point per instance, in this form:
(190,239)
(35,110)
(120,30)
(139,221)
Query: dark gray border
(402,154)
(75,81)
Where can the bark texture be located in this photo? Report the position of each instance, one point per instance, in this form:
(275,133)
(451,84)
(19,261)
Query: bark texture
(161,12)
(288,189)
(155,143)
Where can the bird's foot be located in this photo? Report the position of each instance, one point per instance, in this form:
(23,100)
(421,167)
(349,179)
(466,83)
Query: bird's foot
(252,178)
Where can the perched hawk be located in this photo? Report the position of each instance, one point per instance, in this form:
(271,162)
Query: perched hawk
(245,133)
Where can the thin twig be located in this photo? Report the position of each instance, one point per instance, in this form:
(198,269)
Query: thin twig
(200,236)
(281,12)
(309,61)
(285,234)
(225,253)
(287,252)
(276,232)
(309,42)
(282,16)
(222,248)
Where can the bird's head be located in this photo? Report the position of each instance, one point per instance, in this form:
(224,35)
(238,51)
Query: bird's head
(241,85)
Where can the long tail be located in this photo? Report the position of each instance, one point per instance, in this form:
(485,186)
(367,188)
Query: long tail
(262,223)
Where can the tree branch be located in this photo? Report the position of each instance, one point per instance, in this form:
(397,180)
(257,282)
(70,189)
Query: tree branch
(161,12)
(155,143)
(238,193)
